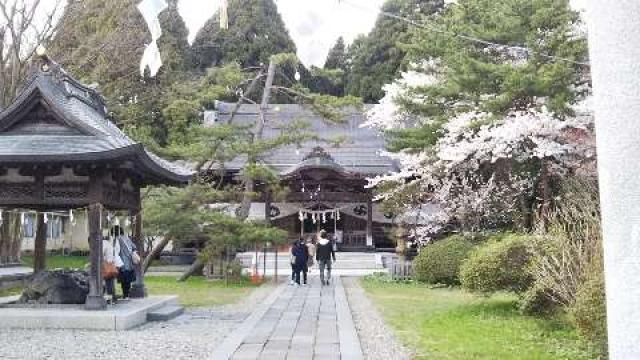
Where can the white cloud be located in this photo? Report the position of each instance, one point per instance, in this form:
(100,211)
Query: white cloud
(196,12)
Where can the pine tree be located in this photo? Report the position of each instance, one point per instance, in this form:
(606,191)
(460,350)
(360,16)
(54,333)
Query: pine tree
(102,43)
(376,59)
(484,114)
(496,79)
(212,148)
(337,57)
(256,32)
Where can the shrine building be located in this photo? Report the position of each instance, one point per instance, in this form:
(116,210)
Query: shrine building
(327,185)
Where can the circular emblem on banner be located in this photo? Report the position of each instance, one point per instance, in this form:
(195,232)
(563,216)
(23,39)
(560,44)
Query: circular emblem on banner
(274,211)
(360,210)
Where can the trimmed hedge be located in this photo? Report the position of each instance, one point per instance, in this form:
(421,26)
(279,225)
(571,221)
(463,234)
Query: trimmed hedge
(500,265)
(439,263)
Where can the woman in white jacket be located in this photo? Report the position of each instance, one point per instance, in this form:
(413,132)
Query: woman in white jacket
(111,254)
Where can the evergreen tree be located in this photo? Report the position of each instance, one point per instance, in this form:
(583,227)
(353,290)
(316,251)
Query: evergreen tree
(493,78)
(376,59)
(102,43)
(337,57)
(481,125)
(256,31)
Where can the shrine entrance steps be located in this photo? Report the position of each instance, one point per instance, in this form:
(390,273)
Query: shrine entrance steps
(347,263)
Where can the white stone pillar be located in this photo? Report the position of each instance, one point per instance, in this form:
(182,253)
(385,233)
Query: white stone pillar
(614,41)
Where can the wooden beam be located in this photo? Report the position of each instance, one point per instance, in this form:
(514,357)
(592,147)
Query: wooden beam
(138,289)
(95,299)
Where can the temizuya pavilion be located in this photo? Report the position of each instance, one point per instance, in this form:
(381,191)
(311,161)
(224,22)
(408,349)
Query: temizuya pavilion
(59,152)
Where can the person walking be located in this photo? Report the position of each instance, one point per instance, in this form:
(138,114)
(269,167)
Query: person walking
(292,262)
(324,255)
(111,263)
(311,249)
(301,257)
(130,258)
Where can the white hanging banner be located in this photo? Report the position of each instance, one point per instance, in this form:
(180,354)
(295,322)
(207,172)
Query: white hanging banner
(224,15)
(150,10)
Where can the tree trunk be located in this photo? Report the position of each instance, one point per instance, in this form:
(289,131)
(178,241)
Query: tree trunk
(40,250)
(16,240)
(545,194)
(154,253)
(249,183)
(196,267)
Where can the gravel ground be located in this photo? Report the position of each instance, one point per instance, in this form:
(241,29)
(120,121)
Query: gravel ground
(377,339)
(193,335)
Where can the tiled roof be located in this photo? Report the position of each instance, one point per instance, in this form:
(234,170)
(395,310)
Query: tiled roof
(83,133)
(360,153)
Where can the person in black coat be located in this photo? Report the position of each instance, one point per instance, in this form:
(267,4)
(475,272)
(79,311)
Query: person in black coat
(300,258)
(324,254)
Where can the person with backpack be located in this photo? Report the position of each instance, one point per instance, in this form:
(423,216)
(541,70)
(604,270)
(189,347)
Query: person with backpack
(325,253)
(130,258)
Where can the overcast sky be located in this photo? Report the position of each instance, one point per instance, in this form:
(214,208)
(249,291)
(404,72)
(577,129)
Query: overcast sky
(314,25)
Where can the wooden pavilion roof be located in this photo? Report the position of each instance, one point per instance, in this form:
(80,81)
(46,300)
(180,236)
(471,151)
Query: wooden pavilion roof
(56,119)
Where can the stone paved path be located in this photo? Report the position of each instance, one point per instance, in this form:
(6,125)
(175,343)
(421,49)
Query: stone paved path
(312,322)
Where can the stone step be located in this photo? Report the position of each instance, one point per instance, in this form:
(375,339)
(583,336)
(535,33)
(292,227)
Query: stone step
(165,313)
(336,265)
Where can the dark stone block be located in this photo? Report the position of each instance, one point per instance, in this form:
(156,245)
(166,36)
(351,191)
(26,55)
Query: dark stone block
(57,287)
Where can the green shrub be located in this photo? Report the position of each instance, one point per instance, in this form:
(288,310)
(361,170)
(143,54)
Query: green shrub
(498,265)
(439,263)
(537,300)
(589,310)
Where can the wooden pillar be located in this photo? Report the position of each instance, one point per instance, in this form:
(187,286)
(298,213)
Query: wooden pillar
(40,245)
(370,220)
(40,248)
(95,299)
(138,289)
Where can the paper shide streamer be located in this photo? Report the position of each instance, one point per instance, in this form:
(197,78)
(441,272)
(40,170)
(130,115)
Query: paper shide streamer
(150,10)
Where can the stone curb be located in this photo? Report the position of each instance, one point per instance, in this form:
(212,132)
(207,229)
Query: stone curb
(350,347)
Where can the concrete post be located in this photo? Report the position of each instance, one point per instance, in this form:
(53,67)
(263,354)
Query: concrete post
(614,36)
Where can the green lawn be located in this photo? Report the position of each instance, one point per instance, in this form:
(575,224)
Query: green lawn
(195,292)
(198,291)
(59,261)
(453,324)
(11,292)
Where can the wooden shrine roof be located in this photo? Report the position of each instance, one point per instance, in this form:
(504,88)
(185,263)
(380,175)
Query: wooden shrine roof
(55,118)
(361,153)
